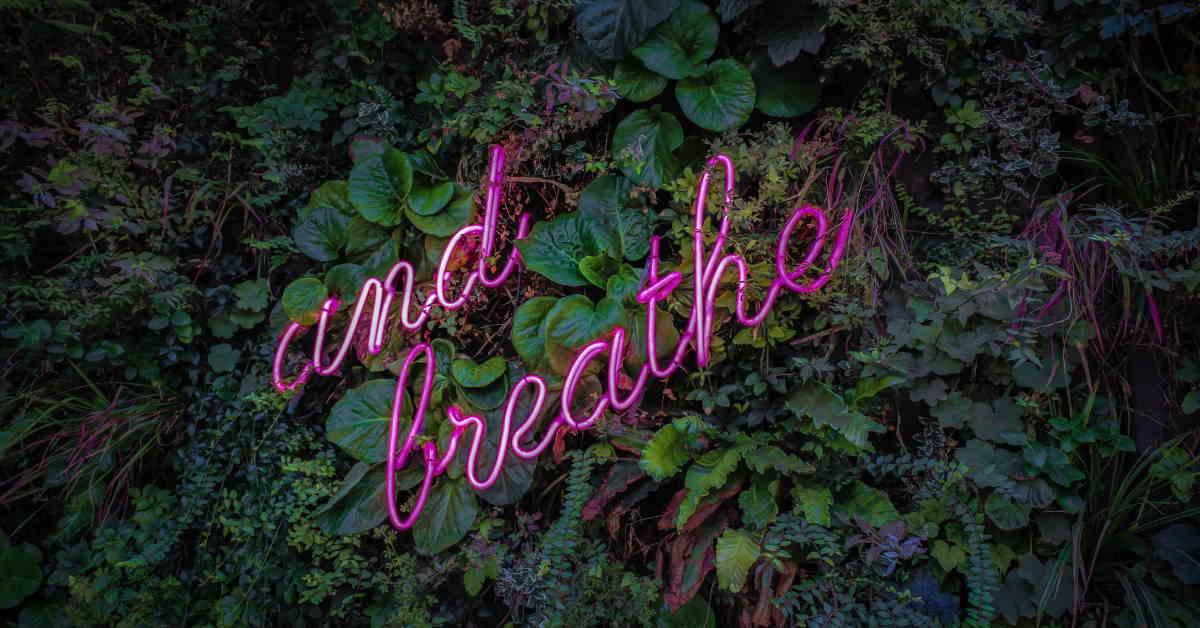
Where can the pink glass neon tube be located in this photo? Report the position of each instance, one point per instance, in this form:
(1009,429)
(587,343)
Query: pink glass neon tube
(709,265)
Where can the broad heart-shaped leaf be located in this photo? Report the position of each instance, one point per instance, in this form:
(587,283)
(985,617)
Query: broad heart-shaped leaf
(612,28)
(623,286)
(869,504)
(621,231)
(721,98)
(487,397)
(737,551)
(529,330)
(379,187)
(516,477)
(302,300)
(649,137)
(361,502)
(554,248)
(758,504)
(427,200)
(322,234)
(666,337)
(796,30)
(469,374)
(333,194)
(450,218)
(359,422)
(22,573)
(364,237)
(1005,513)
(637,83)
(449,514)
(678,47)
(598,268)
(574,322)
(664,455)
(344,281)
(784,92)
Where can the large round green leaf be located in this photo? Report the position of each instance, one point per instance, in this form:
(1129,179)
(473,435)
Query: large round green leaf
(784,92)
(363,237)
(333,194)
(344,281)
(649,137)
(612,27)
(360,504)
(637,83)
(452,215)
(380,185)
(359,422)
(721,98)
(555,247)
(679,46)
(449,514)
(574,322)
(21,567)
(322,234)
(303,298)
(598,268)
(516,476)
(429,200)
(529,331)
(620,230)
(471,374)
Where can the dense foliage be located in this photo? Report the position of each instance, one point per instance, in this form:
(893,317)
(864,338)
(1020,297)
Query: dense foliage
(986,417)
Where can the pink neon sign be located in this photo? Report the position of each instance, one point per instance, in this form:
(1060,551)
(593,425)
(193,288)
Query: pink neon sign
(710,266)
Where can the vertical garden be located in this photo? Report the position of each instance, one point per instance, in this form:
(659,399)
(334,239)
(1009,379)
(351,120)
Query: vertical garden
(669,313)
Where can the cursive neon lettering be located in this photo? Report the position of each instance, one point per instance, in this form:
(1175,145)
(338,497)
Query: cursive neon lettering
(709,265)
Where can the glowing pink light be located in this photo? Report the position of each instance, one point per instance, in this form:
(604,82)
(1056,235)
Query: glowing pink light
(709,266)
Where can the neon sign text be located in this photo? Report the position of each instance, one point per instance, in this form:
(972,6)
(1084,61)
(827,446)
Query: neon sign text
(709,264)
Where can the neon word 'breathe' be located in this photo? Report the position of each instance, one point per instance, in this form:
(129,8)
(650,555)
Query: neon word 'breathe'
(710,265)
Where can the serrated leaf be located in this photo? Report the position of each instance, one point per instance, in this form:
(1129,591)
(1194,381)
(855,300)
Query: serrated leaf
(708,472)
(737,552)
(758,504)
(664,455)
(813,502)
(870,504)
(950,557)
(252,295)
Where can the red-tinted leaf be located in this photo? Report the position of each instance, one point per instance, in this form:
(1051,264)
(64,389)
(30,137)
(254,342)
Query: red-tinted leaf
(620,476)
(710,505)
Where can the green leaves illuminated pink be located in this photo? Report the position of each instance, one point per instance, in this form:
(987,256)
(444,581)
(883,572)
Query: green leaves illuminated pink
(449,514)
(574,322)
(621,231)
(649,138)
(470,374)
(555,247)
(529,330)
(359,422)
(721,98)
(450,215)
(429,200)
(380,185)
(302,300)
(678,47)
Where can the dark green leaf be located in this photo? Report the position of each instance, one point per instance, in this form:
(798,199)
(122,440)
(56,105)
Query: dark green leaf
(678,47)
(637,83)
(719,99)
(529,332)
(619,230)
(302,300)
(613,27)
(379,187)
(449,514)
(471,375)
(429,200)
(359,422)
(649,136)
(789,91)
(555,247)
(574,322)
